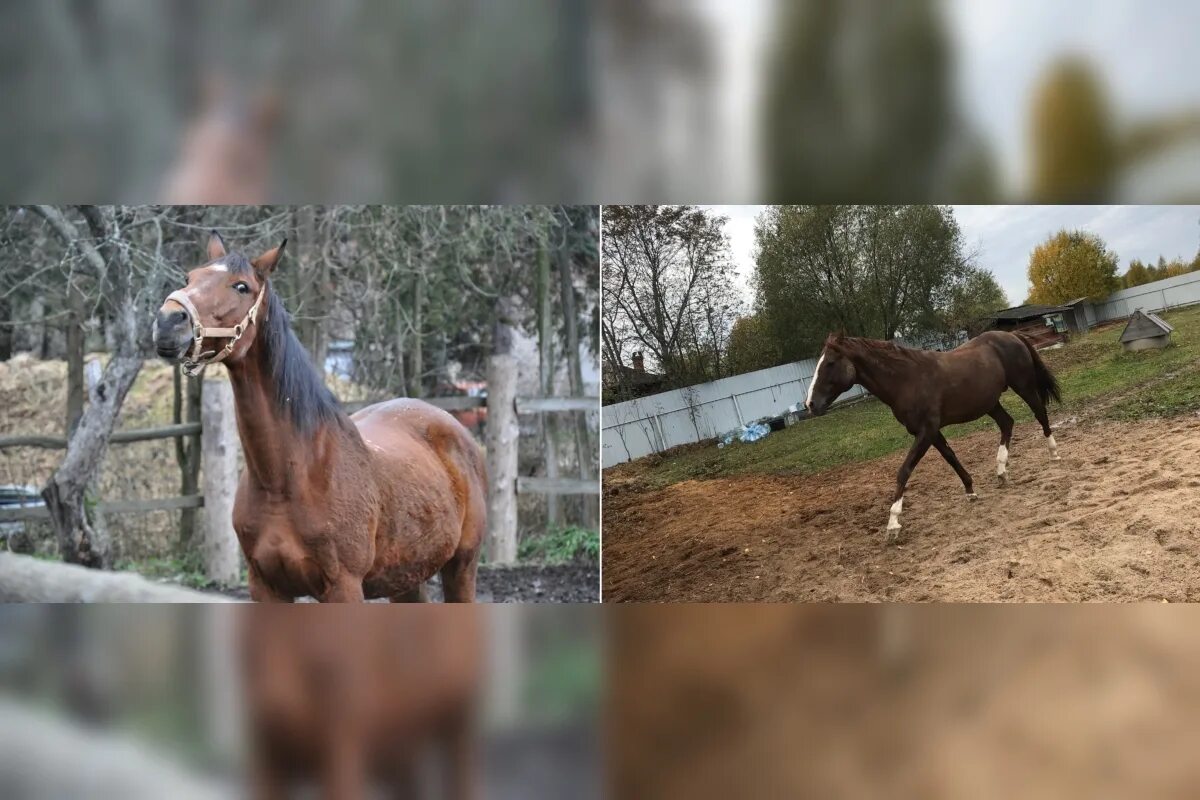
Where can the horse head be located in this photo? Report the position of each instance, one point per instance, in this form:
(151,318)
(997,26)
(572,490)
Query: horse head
(215,316)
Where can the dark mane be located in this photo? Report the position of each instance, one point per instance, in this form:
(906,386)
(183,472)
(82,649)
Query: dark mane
(299,390)
(884,349)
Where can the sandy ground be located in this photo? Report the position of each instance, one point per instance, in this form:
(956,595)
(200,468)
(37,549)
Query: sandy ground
(1117,519)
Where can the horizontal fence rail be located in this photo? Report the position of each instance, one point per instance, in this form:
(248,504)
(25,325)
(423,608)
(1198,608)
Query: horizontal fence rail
(118,437)
(557,485)
(30,512)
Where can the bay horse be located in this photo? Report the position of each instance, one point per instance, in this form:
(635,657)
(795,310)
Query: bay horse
(336,507)
(927,390)
(360,702)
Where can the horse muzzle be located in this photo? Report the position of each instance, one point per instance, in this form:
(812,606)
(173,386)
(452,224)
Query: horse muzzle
(172,334)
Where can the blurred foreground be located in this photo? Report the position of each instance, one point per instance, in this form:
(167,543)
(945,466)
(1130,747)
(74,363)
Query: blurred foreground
(903,701)
(422,701)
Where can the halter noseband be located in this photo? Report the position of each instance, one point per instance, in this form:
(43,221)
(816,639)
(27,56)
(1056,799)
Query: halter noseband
(195,360)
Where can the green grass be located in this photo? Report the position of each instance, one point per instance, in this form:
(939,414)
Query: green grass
(184,571)
(1093,371)
(560,547)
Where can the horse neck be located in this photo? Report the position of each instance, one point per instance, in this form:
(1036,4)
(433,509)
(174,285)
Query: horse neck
(880,374)
(270,441)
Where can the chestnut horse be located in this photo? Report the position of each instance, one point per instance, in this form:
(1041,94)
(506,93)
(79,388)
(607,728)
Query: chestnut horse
(927,390)
(331,506)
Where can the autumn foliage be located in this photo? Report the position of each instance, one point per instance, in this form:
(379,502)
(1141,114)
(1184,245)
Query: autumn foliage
(1072,264)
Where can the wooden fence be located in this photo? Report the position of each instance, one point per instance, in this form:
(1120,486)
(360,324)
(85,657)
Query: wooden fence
(219,448)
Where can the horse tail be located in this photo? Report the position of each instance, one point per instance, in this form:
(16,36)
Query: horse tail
(1047,384)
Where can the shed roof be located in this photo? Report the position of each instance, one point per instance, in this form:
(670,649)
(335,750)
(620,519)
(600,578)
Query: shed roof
(1144,326)
(1027,312)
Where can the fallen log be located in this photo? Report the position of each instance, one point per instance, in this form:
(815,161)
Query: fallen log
(45,756)
(24,579)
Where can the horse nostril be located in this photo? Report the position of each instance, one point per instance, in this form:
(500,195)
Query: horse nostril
(176,317)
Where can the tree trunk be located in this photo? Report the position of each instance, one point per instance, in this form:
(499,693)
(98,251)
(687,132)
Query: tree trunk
(75,389)
(315,297)
(81,542)
(554,510)
(583,439)
(6,329)
(416,364)
(188,393)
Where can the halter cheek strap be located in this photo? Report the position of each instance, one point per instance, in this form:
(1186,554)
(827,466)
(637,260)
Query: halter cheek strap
(196,360)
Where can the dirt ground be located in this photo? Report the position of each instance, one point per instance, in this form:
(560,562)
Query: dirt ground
(1117,519)
(523,583)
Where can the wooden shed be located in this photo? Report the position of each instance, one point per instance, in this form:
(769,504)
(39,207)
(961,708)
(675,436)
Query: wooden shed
(1045,325)
(1146,332)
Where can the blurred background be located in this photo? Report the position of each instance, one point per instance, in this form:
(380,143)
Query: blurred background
(967,101)
(430,701)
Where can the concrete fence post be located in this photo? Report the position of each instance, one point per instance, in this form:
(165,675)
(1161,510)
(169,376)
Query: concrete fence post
(219,445)
(503,433)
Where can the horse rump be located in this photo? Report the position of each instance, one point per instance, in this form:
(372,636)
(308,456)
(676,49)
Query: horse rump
(1046,383)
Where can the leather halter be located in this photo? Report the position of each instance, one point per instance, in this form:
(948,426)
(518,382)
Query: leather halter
(195,360)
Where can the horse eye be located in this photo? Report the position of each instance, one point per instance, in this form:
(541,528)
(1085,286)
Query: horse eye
(242,287)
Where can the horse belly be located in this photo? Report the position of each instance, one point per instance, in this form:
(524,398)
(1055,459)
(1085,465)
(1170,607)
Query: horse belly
(407,556)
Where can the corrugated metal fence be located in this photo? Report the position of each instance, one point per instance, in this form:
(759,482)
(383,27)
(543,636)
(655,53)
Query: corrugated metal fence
(652,424)
(1182,290)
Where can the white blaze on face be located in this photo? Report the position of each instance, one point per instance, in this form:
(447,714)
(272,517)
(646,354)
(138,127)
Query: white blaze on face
(812,384)
(220,266)
(1001,460)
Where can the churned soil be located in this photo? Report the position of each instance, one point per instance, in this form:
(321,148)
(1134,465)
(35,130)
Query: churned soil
(1117,519)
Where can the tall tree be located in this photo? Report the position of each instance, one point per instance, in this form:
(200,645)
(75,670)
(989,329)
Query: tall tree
(867,270)
(667,289)
(82,538)
(1072,264)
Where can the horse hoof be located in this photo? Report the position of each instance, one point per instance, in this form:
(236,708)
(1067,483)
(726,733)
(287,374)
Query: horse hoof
(1001,479)
(972,496)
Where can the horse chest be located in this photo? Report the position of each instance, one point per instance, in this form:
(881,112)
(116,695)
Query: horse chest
(275,545)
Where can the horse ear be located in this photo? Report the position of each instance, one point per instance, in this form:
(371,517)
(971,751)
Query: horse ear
(265,264)
(216,246)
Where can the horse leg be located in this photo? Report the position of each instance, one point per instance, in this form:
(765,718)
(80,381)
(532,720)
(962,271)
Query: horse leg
(458,577)
(261,591)
(943,447)
(417,595)
(344,588)
(910,462)
(461,759)
(1039,410)
(1006,427)
(344,771)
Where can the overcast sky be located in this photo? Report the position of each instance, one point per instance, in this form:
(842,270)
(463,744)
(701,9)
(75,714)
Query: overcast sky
(1002,237)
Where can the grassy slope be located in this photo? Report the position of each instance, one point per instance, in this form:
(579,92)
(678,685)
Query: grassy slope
(1092,369)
